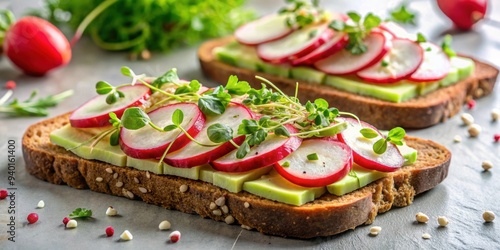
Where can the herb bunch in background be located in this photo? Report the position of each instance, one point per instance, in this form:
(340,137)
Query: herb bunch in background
(154,25)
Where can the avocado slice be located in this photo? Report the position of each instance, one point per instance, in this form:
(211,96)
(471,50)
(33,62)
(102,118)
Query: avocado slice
(357,178)
(239,55)
(397,92)
(451,78)
(427,87)
(151,165)
(464,65)
(78,142)
(234,181)
(207,173)
(275,69)
(277,188)
(307,74)
(190,173)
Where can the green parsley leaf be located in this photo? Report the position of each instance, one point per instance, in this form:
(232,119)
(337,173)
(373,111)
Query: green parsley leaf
(219,133)
(191,87)
(80,213)
(134,118)
(103,88)
(371,21)
(235,87)
(403,15)
(357,31)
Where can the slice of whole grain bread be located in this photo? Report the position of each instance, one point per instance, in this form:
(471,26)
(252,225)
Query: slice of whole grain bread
(419,112)
(327,215)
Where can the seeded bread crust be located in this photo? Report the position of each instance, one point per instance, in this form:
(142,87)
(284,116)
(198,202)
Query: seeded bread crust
(325,216)
(419,112)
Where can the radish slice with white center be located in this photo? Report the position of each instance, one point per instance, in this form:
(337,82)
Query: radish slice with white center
(95,112)
(396,30)
(271,150)
(264,29)
(332,46)
(402,60)
(435,66)
(146,142)
(193,154)
(344,62)
(299,43)
(362,148)
(333,163)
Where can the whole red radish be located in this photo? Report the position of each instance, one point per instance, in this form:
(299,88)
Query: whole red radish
(464,13)
(36,46)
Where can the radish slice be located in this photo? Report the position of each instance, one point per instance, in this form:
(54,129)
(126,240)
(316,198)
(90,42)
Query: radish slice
(273,149)
(95,112)
(435,66)
(334,162)
(363,154)
(403,59)
(146,142)
(396,30)
(300,43)
(334,45)
(265,29)
(344,62)
(193,154)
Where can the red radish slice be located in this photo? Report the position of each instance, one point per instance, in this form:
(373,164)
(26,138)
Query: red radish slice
(344,62)
(403,59)
(333,163)
(435,66)
(334,45)
(273,149)
(362,148)
(265,29)
(396,30)
(95,112)
(298,44)
(193,154)
(146,142)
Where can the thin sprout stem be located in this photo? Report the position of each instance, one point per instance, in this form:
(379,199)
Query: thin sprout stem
(195,141)
(6,97)
(276,88)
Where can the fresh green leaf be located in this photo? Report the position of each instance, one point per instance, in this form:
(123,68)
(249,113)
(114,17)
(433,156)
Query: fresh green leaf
(169,77)
(403,15)
(126,71)
(286,164)
(170,127)
(321,103)
(191,87)
(257,138)
(384,63)
(368,133)
(103,88)
(112,97)
(354,16)
(80,213)
(177,117)
(243,150)
(31,107)
(134,118)
(380,146)
(421,38)
(210,105)
(446,45)
(337,25)
(219,133)
(371,21)
(396,134)
(236,87)
(248,126)
(312,157)
(114,139)
(282,131)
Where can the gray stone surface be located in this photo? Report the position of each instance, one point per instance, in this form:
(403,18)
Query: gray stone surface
(462,197)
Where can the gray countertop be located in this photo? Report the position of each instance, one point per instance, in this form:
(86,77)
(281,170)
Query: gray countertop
(462,197)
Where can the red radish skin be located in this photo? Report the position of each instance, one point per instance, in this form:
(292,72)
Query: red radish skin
(296,45)
(334,162)
(36,46)
(266,29)
(343,62)
(148,143)
(464,13)
(273,149)
(95,112)
(362,150)
(435,65)
(403,59)
(334,45)
(193,154)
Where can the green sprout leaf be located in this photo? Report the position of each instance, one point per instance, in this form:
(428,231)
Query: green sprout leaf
(177,117)
(380,146)
(282,131)
(243,150)
(368,133)
(357,31)
(170,127)
(126,71)
(286,164)
(169,77)
(446,45)
(134,118)
(403,15)
(114,139)
(421,38)
(112,97)
(103,88)
(312,157)
(219,133)
(80,213)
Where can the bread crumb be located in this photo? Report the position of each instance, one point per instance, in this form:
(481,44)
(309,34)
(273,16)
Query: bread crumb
(246,227)
(426,236)
(487,165)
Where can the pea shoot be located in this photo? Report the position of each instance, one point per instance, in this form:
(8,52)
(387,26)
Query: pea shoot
(395,136)
(357,31)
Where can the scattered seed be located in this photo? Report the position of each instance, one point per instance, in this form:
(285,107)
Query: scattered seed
(220,201)
(224,209)
(164,225)
(246,227)
(3,194)
(495,114)
(126,235)
(136,180)
(183,188)
(212,206)
(98,179)
(175,236)
(143,190)
(110,231)
(487,165)
(119,184)
(421,217)
(115,175)
(229,219)
(41,204)
(71,224)
(442,221)
(217,212)
(426,236)
(148,175)
(32,218)
(109,170)
(111,211)
(474,130)
(246,204)
(467,118)
(488,216)
(375,230)
(65,220)
(457,138)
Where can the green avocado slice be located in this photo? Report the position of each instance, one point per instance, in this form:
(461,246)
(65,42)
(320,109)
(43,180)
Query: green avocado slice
(233,182)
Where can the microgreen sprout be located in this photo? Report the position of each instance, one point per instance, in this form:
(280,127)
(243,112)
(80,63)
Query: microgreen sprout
(302,13)
(357,31)
(402,14)
(395,136)
(80,213)
(446,45)
(421,38)
(31,107)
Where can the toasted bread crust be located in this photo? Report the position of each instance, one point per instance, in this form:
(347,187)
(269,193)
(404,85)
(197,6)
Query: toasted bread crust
(419,112)
(325,216)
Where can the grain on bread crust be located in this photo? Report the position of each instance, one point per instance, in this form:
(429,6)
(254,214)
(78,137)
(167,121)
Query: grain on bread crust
(325,216)
(419,112)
